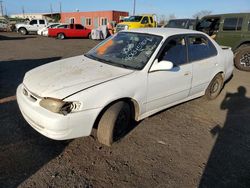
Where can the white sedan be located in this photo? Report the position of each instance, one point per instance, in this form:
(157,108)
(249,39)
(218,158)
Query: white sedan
(129,76)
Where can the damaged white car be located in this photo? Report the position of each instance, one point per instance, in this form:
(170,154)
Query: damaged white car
(129,76)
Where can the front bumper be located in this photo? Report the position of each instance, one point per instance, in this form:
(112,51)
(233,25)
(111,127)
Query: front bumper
(53,125)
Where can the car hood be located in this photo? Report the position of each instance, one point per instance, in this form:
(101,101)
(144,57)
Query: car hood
(65,77)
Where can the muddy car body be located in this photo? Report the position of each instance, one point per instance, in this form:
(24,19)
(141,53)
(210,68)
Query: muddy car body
(129,76)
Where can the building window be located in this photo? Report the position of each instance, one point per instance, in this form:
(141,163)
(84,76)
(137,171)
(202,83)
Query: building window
(72,20)
(104,21)
(88,21)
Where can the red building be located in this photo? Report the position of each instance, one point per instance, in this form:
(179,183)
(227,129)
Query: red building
(93,19)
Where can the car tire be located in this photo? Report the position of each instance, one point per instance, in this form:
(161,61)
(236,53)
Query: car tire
(242,58)
(114,123)
(23,31)
(215,87)
(61,36)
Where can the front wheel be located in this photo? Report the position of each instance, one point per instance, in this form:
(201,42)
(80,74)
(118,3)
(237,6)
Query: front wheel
(61,36)
(214,88)
(23,31)
(242,58)
(114,123)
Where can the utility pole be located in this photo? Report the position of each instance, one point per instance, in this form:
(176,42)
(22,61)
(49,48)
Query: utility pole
(1,5)
(51,11)
(134,7)
(60,7)
(23,11)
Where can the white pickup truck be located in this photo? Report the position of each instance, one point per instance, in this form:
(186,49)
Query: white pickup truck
(32,26)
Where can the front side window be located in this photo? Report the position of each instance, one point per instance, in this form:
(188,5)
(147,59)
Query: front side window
(200,47)
(175,51)
(126,49)
(145,20)
(33,22)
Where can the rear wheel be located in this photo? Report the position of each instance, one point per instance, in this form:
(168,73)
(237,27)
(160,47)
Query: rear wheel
(242,58)
(23,31)
(61,36)
(214,88)
(114,123)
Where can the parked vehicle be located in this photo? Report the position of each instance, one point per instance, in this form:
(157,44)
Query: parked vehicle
(72,31)
(231,30)
(129,76)
(181,23)
(3,24)
(32,26)
(44,31)
(134,22)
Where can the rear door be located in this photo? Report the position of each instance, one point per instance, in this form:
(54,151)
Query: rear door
(202,54)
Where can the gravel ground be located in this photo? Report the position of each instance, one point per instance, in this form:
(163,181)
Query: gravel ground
(195,144)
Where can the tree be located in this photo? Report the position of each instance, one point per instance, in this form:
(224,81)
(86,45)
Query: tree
(202,13)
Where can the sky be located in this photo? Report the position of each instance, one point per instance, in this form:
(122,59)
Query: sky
(180,8)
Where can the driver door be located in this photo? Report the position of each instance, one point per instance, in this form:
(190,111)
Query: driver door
(170,86)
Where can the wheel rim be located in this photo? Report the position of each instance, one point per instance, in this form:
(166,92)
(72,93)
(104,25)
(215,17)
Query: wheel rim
(23,31)
(61,36)
(245,59)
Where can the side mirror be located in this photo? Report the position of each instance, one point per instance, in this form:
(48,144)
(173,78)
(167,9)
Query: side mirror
(162,65)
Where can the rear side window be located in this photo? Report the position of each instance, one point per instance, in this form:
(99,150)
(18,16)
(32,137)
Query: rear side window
(151,19)
(200,47)
(79,26)
(232,24)
(41,22)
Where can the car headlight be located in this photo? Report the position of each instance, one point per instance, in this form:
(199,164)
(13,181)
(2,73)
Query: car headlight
(126,27)
(59,106)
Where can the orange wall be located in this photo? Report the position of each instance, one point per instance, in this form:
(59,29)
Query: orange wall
(79,17)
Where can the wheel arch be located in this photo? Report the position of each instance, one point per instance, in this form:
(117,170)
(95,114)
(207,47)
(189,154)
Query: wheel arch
(134,105)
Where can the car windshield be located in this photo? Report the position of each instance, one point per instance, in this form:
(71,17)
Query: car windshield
(126,49)
(134,19)
(176,24)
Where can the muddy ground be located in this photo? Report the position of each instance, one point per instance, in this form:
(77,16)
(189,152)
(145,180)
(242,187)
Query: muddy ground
(196,144)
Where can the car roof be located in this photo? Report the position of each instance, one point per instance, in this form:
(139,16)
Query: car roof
(165,32)
(227,14)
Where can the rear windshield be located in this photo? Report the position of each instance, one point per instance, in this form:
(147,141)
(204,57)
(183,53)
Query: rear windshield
(177,24)
(134,19)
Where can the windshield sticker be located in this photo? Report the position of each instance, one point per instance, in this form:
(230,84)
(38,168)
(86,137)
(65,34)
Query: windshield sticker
(130,51)
(102,49)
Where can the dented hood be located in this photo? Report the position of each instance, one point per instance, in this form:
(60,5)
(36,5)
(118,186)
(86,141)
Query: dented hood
(65,77)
